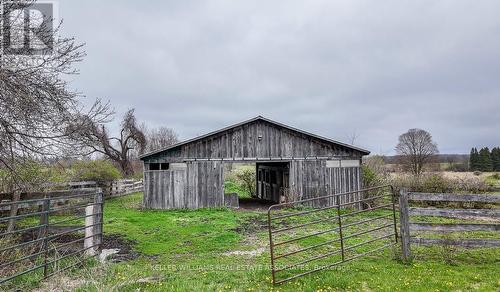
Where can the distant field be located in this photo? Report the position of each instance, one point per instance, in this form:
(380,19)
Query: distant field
(490,178)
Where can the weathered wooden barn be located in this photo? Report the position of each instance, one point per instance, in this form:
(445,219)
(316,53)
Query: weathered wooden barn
(290,164)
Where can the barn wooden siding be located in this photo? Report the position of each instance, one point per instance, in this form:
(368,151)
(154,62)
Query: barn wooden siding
(311,179)
(243,142)
(179,189)
(200,184)
(185,188)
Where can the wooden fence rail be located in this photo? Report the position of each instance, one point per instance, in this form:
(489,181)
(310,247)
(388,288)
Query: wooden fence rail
(408,227)
(113,189)
(125,187)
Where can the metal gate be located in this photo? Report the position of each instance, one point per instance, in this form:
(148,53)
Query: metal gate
(49,234)
(304,240)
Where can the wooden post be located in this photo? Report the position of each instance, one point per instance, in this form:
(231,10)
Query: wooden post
(404,225)
(16,197)
(93,222)
(44,217)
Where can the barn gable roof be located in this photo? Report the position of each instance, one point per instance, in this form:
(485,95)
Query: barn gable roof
(258,118)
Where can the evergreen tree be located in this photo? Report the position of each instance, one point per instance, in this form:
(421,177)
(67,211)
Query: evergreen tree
(495,158)
(474,159)
(485,163)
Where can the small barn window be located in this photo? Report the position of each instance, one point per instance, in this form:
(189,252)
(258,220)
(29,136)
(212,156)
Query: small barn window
(154,166)
(159,166)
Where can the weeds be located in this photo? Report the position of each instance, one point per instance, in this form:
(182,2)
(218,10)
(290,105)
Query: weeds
(449,250)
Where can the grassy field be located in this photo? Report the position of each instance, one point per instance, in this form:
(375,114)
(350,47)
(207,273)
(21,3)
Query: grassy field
(227,250)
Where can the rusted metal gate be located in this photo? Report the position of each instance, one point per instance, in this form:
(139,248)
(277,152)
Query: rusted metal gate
(304,240)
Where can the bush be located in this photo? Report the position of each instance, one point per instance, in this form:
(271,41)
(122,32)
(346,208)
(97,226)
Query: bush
(95,170)
(246,180)
(240,179)
(373,174)
(437,183)
(493,180)
(31,175)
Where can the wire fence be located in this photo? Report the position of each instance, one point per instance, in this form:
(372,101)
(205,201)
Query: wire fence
(46,233)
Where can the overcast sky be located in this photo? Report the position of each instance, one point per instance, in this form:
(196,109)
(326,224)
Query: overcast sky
(374,68)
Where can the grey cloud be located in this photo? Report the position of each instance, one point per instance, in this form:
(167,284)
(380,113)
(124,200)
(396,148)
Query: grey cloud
(330,67)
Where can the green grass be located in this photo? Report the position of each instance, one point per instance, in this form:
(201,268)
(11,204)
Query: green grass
(187,251)
(184,251)
(233,187)
(493,180)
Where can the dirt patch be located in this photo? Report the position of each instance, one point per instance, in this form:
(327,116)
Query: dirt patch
(251,225)
(246,204)
(60,283)
(126,253)
(110,241)
(250,253)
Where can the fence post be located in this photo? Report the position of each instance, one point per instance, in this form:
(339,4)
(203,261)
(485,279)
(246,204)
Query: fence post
(404,225)
(16,197)
(93,222)
(44,233)
(340,229)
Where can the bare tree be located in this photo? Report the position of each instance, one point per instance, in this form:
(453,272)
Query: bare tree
(160,138)
(36,106)
(120,149)
(352,137)
(416,148)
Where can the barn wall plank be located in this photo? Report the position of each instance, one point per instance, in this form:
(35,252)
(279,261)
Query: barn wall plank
(201,184)
(243,141)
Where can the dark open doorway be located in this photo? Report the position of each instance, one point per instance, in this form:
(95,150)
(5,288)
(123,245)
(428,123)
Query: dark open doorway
(272,180)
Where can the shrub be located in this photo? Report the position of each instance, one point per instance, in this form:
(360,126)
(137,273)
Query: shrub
(95,170)
(246,180)
(30,175)
(373,174)
(240,179)
(437,183)
(493,180)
